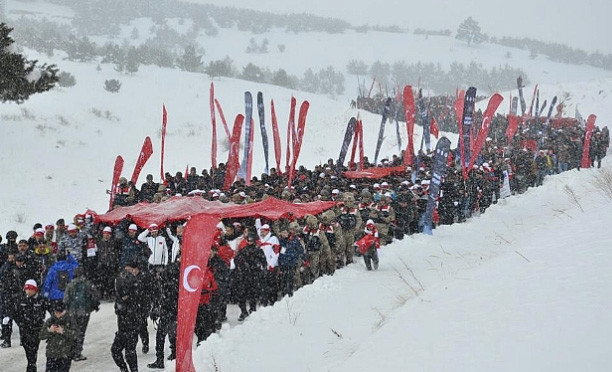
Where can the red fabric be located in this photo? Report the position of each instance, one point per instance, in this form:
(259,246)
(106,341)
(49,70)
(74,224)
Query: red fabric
(492,106)
(277,142)
(145,154)
(233,162)
(197,240)
(290,131)
(433,128)
(529,144)
(209,286)
(222,116)
(163,141)
(590,126)
(249,164)
(298,138)
(374,173)
(179,208)
(116,175)
(213,120)
(366,242)
(225,253)
(409,112)
(512,127)
(361,156)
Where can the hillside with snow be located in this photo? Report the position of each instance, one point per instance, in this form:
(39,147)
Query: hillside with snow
(525,286)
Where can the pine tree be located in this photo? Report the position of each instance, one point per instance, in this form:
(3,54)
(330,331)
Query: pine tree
(469,31)
(20,78)
(190,61)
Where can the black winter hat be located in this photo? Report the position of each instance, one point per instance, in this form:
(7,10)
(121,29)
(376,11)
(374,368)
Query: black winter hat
(11,235)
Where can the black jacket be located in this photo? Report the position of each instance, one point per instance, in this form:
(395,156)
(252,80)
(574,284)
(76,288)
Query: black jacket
(30,312)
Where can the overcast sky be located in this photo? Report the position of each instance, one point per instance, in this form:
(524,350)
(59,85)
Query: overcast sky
(579,23)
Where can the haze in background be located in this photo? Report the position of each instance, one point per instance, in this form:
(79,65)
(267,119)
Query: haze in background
(581,24)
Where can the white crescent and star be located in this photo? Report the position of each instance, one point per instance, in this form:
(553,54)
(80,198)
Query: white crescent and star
(186,276)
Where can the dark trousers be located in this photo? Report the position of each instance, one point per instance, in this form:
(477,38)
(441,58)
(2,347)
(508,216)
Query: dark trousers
(30,342)
(205,322)
(371,256)
(58,364)
(143,332)
(270,287)
(106,279)
(287,280)
(79,323)
(125,340)
(165,327)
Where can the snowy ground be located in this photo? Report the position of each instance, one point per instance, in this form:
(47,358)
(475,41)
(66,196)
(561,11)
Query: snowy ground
(524,287)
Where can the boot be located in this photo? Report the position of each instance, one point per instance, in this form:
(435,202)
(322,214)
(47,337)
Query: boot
(172,356)
(242,316)
(159,364)
(6,344)
(145,348)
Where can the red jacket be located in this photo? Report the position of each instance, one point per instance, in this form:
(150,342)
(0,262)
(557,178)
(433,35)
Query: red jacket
(208,287)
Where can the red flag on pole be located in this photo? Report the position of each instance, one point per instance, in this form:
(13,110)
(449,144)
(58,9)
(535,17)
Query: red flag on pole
(487,117)
(227,132)
(197,241)
(409,112)
(298,137)
(250,159)
(163,142)
(290,131)
(361,156)
(459,113)
(590,126)
(213,147)
(433,128)
(233,162)
(116,174)
(277,141)
(145,154)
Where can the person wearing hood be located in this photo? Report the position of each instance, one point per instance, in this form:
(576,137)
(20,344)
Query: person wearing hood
(29,316)
(292,250)
(58,277)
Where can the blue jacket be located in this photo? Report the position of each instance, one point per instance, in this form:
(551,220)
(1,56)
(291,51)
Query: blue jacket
(51,288)
(293,251)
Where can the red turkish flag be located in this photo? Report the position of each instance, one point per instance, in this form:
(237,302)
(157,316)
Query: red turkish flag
(197,241)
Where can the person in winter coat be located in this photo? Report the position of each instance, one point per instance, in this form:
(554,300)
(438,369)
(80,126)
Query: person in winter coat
(132,249)
(169,310)
(219,263)
(58,277)
(291,251)
(335,240)
(384,217)
(74,243)
(349,219)
(315,242)
(250,264)
(108,262)
(157,245)
(81,298)
(205,321)
(368,245)
(148,189)
(268,243)
(177,241)
(60,336)
(127,308)
(10,287)
(29,316)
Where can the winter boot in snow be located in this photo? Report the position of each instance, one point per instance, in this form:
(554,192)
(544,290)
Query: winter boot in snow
(172,356)
(6,344)
(159,364)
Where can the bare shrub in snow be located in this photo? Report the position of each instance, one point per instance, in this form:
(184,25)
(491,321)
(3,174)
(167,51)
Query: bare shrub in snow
(573,197)
(603,182)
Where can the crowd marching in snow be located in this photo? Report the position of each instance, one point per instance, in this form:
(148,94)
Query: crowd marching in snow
(67,269)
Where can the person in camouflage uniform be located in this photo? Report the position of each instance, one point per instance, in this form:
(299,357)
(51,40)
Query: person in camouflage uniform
(349,220)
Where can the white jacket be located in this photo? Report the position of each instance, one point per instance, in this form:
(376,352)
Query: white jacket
(158,247)
(176,245)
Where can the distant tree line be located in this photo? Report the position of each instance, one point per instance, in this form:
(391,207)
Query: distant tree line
(433,76)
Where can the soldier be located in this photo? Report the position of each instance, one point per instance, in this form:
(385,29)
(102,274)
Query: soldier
(384,216)
(29,316)
(350,220)
(335,240)
(315,242)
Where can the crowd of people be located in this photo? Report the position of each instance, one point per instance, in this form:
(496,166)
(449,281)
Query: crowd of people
(67,269)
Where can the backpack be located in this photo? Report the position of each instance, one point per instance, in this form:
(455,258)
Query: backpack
(63,278)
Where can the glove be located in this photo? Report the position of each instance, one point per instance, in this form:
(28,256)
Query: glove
(306,263)
(271,269)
